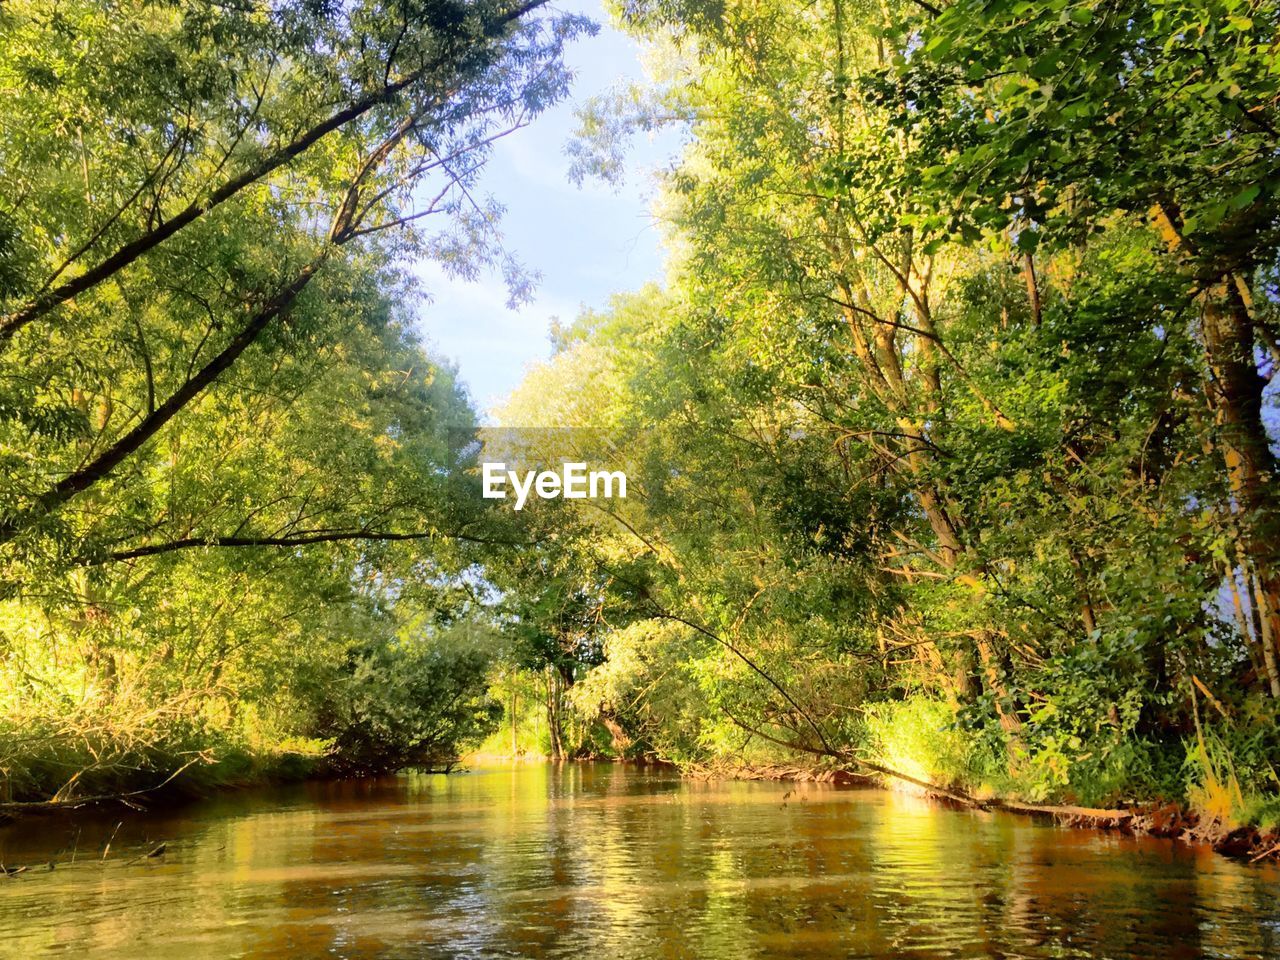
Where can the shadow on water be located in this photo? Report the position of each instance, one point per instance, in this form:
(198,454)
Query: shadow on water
(610,861)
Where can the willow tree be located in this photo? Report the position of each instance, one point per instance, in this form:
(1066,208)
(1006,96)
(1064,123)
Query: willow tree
(225,452)
(1021,425)
(191,194)
(803,231)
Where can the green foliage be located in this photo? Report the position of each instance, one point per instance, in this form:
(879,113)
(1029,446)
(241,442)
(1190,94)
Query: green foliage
(1099,109)
(919,737)
(945,440)
(227,466)
(1230,773)
(648,684)
(415,703)
(948,427)
(524,732)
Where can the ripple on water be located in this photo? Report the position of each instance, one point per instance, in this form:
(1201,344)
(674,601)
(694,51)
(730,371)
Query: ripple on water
(602,860)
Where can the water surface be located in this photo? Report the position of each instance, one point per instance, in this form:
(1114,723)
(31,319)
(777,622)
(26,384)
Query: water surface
(606,861)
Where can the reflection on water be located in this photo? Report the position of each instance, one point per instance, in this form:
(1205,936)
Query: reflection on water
(598,860)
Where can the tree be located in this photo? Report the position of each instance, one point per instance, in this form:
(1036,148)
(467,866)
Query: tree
(913,443)
(224,206)
(226,459)
(1049,120)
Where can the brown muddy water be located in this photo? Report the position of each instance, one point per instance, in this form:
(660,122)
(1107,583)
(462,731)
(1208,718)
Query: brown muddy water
(606,861)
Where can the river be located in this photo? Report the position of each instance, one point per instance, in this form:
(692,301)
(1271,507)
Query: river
(613,862)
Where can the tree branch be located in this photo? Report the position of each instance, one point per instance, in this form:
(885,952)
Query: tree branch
(86,476)
(131,251)
(291,540)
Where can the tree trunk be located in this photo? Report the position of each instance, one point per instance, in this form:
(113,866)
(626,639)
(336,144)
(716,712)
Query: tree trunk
(1235,399)
(554,718)
(515,706)
(1235,396)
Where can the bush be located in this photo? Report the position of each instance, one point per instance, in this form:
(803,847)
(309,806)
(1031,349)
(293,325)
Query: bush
(411,703)
(919,737)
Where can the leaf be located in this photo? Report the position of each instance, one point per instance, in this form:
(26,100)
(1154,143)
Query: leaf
(1246,196)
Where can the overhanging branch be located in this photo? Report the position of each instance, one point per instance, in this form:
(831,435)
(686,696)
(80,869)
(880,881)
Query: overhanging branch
(290,540)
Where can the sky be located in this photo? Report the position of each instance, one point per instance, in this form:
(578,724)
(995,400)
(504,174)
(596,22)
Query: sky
(586,242)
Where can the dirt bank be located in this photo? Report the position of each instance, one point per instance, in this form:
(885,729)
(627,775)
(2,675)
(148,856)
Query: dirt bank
(1157,819)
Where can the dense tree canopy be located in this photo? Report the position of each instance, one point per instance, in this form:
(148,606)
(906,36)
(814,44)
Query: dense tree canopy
(227,479)
(952,421)
(949,438)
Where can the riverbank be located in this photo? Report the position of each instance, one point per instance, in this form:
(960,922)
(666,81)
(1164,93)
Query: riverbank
(202,778)
(191,781)
(1165,820)
(1162,819)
